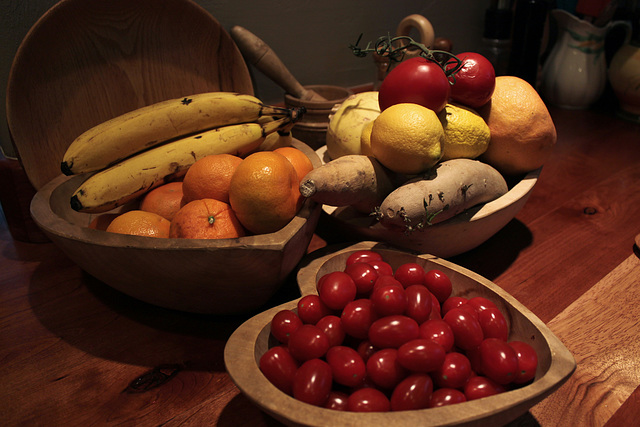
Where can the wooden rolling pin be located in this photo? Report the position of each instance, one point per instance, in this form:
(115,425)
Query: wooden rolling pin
(260,55)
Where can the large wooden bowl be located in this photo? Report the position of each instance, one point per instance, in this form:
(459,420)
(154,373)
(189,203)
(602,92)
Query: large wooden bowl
(251,340)
(226,276)
(454,236)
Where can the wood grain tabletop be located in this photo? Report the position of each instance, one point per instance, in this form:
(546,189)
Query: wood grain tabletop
(73,351)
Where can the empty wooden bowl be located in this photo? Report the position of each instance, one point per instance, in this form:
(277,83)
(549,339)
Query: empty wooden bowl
(226,276)
(459,234)
(252,339)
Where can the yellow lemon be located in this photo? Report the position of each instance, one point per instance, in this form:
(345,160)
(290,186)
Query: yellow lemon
(466,135)
(407,138)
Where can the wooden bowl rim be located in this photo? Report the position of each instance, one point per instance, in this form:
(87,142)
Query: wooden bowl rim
(51,222)
(241,352)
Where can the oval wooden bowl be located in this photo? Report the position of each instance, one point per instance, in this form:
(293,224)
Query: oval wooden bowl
(226,276)
(251,340)
(459,234)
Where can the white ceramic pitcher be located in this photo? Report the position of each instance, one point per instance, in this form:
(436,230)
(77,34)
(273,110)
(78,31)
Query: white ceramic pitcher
(575,73)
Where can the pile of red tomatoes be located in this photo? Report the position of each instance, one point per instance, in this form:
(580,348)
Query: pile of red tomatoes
(376,340)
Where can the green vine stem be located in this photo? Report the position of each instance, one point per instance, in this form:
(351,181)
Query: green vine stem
(394,49)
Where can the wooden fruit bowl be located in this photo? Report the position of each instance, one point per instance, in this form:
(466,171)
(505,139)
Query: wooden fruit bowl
(251,340)
(226,276)
(446,239)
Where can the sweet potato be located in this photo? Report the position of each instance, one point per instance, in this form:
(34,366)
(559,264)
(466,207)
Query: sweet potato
(445,191)
(352,180)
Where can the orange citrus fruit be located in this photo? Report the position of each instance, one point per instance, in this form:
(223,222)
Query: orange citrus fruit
(209,178)
(264,192)
(522,132)
(140,223)
(164,200)
(206,219)
(301,163)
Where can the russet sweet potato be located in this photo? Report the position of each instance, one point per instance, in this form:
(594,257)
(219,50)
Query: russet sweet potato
(352,180)
(446,190)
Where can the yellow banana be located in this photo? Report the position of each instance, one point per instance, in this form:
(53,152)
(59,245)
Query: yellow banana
(146,127)
(134,176)
(281,138)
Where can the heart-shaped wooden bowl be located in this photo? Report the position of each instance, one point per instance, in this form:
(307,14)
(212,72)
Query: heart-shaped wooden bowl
(252,339)
(226,276)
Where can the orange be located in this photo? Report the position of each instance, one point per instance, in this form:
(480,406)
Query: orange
(209,178)
(264,192)
(164,200)
(140,223)
(522,132)
(301,163)
(206,219)
(102,221)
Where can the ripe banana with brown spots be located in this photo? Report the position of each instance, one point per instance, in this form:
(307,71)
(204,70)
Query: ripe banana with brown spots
(134,176)
(146,127)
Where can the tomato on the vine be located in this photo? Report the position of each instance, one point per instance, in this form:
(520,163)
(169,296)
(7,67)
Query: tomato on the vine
(474,81)
(416,80)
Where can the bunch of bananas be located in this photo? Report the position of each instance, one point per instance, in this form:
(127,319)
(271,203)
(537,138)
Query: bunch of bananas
(140,150)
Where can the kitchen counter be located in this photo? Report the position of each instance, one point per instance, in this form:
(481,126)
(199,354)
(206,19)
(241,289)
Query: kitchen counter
(74,351)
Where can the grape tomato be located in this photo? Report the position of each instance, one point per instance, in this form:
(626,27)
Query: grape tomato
(338,289)
(409,274)
(357,317)
(384,369)
(364,276)
(438,331)
(279,367)
(421,355)
(467,331)
(331,325)
(383,268)
(499,360)
(347,366)
(419,303)
(454,372)
(388,300)
(363,256)
(311,309)
(308,342)
(445,397)
(283,324)
(438,284)
(368,400)
(527,361)
(393,331)
(312,382)
(412,393)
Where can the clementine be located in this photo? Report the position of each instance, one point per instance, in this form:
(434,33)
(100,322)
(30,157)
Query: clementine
(209,178)
(140,223)
(206,219)
(164,200)
(264,192)
(102,221)
(301,163)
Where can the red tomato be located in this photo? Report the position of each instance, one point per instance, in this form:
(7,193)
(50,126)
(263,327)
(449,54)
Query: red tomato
(283,324)
(454,372)
(312,382)
(383,268)
(475,81)
(347,366)
(466,328)
(499,360)
(366,349)
(393,331)
(388,300)
(481,303)
(413,392)
(364,275)
(478,387)
(331,325)
(421,355)
(452,302)
(446,396)
(493,324)
(338,289)
(385,280)
(337,401)
(363,256)
(527,361)
(416,80)
(438,284)
(279,367)
(438,331)
(419,303)
(308,342)
(409,274)
(384,370)
(357,317)
(311,309)
(368,400)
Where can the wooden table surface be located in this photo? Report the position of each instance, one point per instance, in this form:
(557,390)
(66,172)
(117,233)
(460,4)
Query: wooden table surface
(73,351)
